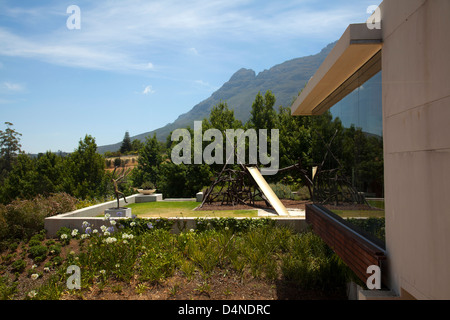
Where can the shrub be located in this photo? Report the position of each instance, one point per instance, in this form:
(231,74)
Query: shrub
(282,191)
(21,219)
(19,265)
(313,264)
(303,193)
(38,252)
(7,288)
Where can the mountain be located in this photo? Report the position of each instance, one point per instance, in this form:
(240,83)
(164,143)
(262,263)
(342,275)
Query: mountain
(285,80)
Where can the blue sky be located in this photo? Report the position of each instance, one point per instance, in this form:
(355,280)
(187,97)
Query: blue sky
(136,65)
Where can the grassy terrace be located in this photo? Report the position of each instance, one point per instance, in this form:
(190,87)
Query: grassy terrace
(376,212)
(166,209)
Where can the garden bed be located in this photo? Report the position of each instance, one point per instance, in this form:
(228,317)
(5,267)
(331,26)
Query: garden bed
(224,259)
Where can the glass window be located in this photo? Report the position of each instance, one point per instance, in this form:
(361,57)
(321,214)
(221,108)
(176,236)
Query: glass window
(350,179)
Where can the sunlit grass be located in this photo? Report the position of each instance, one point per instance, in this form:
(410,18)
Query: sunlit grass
(359,213)
(169,209)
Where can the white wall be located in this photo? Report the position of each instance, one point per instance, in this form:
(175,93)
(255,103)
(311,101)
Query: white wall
(416,114)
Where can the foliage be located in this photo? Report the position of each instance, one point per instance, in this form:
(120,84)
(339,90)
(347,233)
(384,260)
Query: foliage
(312,264)
(147,185)
(86,171)
(126,144)
(8,288)
(9,148)
(19,265)
(263,115)
(81,174)
(147,251)
(149,163)
(282,191)
(38,252)
(21,219)
(373,226)
(234,225)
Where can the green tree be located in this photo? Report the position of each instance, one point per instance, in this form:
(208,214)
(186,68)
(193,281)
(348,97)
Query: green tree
(149,162)
(221,118)
(136,145)
(21,181)
(9,149)
(263,115)
(86,171)
(295,142)
(126,144)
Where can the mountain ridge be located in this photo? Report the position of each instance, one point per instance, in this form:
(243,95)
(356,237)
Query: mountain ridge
(285,80)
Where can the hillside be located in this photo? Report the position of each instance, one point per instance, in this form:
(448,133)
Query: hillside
(285,80)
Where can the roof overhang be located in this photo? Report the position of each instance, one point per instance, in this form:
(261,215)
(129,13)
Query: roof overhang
(354,49)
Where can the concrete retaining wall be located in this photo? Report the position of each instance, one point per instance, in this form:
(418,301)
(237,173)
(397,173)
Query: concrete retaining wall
(75,219)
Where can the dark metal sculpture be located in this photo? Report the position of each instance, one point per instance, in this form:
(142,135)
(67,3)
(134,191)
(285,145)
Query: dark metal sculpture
(116,180)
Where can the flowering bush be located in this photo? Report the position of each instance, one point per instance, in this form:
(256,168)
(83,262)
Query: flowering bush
(145,251)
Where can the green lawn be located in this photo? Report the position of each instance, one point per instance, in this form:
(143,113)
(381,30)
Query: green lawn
(168,209)
(360,213)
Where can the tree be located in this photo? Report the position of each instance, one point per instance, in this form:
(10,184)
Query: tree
(9,149)
(136,145)
(86,171)
(126,144)
(149,161)
(263,115)
(295,140)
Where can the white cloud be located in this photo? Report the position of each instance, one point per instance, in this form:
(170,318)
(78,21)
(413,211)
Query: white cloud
(125,35)
(148,90)
(12,87)
(205,84)
(193,51)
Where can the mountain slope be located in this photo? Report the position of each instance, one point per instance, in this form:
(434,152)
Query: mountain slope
(285,80)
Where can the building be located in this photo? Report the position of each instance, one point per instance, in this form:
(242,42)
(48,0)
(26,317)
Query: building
(408,57)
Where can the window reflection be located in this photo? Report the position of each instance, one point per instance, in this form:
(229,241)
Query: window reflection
(351,183)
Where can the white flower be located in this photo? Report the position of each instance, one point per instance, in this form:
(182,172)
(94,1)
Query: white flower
(132,224)
(192,230)
(103,228)
(85,224)
(117,265)
(106,233)
(110,240)
(63,236)
(34,266)
(102,271)
(32,294)
(113,222)
(72,252)
(94,231)
(47,269)
(84,236)
(34,276)
(107,216)
(127,236)
(74,232)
